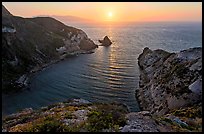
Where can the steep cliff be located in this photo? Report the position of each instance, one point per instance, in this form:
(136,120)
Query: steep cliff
(169,81)
(33,42)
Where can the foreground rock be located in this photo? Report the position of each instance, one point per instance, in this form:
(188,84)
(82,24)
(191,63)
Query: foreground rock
(30,43)
(106,41)
(75,115)
(80,115)
(140,122)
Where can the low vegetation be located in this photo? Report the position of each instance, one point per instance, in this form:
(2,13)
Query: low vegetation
(68,118)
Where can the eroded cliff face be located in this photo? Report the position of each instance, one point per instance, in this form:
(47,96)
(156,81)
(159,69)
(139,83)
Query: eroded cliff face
(34,42)
(169,81)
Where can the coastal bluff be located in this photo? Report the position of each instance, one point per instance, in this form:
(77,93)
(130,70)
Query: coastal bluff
(30,44)
(169,81)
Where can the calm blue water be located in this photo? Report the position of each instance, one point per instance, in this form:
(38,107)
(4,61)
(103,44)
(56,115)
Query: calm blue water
(109,74)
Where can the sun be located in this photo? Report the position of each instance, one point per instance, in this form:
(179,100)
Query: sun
(110,14)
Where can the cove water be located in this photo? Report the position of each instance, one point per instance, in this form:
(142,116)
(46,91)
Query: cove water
(111,73)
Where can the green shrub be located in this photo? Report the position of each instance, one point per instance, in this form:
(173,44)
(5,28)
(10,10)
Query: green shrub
(107,118)
(49,124)
(191,112)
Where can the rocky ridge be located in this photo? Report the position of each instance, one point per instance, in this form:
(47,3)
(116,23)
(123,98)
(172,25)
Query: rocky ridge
(75,115)
(29,44)
(169,81)
(78,115)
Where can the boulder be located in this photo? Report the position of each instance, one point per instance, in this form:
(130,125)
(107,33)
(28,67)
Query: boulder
(106,41)
(140,122)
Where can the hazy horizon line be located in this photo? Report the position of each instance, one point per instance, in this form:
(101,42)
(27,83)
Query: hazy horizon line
(94,21)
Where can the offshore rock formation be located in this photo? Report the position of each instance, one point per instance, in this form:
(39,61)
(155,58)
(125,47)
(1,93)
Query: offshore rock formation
(169,81)
(32,43)
(106,41)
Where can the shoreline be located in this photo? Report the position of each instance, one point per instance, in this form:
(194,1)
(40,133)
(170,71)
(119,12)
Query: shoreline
(24,81)
(177,119)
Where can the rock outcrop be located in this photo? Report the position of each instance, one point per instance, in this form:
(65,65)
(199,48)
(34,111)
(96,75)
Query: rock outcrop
(75,115)
(106,41)
(79,115)
(169,81)
(140,122)
(28,43)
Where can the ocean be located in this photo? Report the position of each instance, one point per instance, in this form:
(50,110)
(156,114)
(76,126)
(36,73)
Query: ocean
(111,74)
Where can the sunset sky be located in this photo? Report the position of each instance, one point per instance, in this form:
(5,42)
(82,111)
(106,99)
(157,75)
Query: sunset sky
(111,11)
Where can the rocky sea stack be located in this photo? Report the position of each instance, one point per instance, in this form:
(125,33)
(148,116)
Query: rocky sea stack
(106,41)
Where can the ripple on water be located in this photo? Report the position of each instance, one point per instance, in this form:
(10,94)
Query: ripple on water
(109,74)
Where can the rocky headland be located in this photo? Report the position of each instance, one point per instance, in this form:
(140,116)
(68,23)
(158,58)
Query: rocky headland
(169,81)
(170,87)
(169,95)
(30,44)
